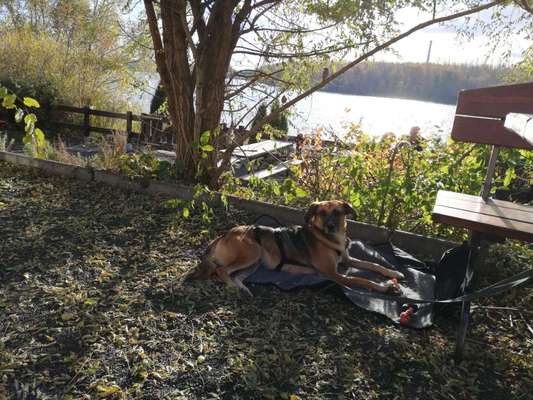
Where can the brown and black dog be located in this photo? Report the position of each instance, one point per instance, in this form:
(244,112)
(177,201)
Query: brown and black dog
(317,247)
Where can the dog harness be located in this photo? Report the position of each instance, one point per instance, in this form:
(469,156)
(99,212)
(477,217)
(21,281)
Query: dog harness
(284,259)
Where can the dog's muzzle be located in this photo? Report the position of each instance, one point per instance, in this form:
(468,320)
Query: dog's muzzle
(331,226)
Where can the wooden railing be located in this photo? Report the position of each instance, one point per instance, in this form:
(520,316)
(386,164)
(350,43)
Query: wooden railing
(149,122)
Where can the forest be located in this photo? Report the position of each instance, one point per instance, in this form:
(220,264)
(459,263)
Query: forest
(432,82)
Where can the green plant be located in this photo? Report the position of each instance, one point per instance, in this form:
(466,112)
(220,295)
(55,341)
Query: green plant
(139,165)
(34,141)
(391,183)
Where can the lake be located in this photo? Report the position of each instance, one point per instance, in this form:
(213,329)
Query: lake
(376,115)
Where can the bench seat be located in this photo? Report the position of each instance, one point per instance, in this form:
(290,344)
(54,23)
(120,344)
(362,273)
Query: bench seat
(271,172)
(494,217)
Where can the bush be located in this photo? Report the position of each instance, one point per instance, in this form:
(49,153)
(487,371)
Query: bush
(39,66)
(390,182)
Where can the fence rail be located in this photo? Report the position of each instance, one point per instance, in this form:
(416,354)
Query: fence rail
(149,122)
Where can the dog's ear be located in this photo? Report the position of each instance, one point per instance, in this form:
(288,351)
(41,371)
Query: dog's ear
(310,212)
(348,209)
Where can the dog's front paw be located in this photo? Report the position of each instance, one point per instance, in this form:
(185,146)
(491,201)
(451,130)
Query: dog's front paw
(391,286)
(396,275)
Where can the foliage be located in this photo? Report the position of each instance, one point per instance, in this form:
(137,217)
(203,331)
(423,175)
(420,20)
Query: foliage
(433,82)
(390,182)
(277,128)
(34,141)
(5,142)
(280,122)
(139,165)
(523,70)
(77,53)
(101,307)
(158,99)
(300,38)
(261,113)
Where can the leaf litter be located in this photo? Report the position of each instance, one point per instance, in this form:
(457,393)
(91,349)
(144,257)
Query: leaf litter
(93,306)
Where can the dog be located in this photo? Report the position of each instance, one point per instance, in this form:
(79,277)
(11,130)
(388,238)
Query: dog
(316,247)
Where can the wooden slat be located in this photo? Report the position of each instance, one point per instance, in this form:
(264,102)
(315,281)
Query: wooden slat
(91,128)
(270,172)
(496,217)
(108,114)
(490,208)
(483,223)
(445,195)
(497,101)
(69,109)
(488,131)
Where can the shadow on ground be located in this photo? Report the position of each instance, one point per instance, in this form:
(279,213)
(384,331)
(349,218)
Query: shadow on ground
(92,304)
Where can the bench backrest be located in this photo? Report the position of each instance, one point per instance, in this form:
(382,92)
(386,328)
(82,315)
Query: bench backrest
(481,113)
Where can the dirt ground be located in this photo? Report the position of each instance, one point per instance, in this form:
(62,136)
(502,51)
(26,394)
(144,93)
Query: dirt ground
(93,305)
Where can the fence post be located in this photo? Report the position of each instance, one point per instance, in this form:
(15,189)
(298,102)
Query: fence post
(86,125)
(129,121)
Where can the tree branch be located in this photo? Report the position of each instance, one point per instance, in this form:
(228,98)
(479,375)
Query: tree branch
(378,48)
(226,158)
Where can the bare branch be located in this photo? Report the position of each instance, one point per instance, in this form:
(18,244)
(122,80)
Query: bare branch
(375,50)
(253,79)
(226,157)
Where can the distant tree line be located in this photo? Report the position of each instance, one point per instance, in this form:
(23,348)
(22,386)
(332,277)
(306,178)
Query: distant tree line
(432,82)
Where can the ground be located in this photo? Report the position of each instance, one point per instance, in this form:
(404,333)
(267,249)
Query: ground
(93,305)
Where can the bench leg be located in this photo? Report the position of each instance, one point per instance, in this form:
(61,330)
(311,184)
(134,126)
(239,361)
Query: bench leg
(475,241)
(461,331)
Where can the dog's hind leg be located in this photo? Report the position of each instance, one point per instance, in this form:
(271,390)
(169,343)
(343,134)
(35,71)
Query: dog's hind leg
(224,272)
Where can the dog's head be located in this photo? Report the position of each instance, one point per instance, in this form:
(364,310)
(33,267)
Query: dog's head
(329,216)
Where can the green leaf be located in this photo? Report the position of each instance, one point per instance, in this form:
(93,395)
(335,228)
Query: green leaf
(3,91)
(30,118)
(39,135)
(299,192)
(9,101)
(207,147)
(186,213)
(509,176)
(204,138)
(29,102)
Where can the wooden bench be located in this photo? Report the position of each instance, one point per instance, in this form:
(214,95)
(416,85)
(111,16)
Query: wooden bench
(501,117)
(275,171)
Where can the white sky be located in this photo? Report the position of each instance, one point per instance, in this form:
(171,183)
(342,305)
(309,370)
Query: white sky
(447,46)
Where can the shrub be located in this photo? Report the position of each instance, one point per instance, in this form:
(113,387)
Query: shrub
(389,182)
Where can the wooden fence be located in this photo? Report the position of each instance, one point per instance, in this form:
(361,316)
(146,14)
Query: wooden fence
(151,125)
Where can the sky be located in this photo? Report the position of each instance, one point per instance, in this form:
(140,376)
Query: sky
(447,47)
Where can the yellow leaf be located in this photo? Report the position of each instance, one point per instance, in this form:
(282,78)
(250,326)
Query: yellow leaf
(294,397)
(29,102)
(106,391)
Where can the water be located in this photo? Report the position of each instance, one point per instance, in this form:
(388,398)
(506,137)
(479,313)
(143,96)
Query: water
(376,115)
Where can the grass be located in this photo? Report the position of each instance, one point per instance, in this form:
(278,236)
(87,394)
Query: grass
(92,305)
